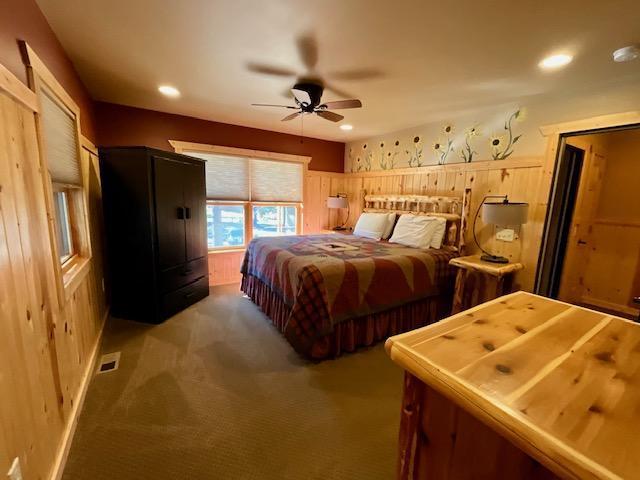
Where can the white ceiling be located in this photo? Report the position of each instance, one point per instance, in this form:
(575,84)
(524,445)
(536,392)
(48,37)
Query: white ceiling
(435,59)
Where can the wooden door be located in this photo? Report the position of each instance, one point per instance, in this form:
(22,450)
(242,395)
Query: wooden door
(576,259)
(195,211)
(170,212)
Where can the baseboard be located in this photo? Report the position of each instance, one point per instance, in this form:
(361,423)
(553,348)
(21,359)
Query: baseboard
(70,429)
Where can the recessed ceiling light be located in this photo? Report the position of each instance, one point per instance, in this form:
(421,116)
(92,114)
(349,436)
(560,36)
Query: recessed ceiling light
(626,54)
(556,61)
(346,126)
(169,91)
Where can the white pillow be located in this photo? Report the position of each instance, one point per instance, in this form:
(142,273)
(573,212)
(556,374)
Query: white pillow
(415,231)
(391,222)
(371,225)
(438,233)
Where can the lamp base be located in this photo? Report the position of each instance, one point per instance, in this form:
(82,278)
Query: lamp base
(339,229)
(494,259)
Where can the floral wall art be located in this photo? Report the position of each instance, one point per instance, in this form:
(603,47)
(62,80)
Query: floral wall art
(498,137)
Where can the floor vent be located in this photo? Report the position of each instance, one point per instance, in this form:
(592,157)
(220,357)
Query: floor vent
(109,362)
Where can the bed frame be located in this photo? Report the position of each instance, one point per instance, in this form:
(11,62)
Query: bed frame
(454,208)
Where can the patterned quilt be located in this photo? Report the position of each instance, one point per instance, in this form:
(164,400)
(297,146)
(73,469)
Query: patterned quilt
(326,279)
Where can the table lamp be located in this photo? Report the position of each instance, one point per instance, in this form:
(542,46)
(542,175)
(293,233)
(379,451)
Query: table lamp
(499,213)
(339,201)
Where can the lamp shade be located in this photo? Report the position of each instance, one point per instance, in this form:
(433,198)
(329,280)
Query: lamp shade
(337,202)
(501,213)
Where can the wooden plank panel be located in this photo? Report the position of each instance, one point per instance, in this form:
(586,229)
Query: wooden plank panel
(39,372)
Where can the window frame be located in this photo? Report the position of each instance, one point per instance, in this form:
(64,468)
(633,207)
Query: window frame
(65,190)
(71,271)
(186,147)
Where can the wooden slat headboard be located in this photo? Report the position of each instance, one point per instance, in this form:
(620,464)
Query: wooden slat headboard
(454,208)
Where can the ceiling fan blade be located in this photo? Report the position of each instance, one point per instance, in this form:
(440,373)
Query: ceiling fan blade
(358,74)
(342,104)
(327,115)
(291,117)
(301,96)
(270,105)
(270,70)
(308,50)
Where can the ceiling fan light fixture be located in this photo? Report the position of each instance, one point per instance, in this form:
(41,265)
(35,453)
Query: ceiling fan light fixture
(626,54)
(555,61)
(346,127)
(169,91)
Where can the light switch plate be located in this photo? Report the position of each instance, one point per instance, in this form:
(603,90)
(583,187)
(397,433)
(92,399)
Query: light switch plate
(15,472)
(506,234)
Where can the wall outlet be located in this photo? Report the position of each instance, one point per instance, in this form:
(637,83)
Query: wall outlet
(15,472)
(506,234)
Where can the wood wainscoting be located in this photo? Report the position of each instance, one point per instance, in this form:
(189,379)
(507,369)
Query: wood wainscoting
(47,348)
(519,178)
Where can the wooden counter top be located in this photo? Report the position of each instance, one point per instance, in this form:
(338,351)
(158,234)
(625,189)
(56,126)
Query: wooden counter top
(560,382)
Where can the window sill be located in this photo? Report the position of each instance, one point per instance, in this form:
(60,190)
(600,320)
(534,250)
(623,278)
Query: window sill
(227,250)
(74,275)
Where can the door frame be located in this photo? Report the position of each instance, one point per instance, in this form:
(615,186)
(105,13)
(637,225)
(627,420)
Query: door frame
(556,135)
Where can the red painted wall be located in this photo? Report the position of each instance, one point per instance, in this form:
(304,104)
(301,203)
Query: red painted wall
(119,125)
(23,20)
(109,124)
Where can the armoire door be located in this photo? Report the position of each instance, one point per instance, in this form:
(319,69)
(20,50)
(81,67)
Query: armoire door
(195,203)
(170,212)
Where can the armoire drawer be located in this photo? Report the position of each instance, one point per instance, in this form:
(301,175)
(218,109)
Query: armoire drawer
(183,275)
(171,303)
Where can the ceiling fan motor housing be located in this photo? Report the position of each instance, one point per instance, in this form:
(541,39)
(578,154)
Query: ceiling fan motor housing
(315,93)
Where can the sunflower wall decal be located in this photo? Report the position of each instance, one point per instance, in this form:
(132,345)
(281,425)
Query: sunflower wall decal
(442,148)
(415,155)
(383,157)
(467,152)
(502,145)
(368,158)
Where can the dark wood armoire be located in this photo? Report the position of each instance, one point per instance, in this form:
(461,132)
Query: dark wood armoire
(155,222)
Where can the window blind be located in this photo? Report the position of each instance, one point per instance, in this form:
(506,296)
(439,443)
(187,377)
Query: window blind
(273,181)
(227,178)
(60,141)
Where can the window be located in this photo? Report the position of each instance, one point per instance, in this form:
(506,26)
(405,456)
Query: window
(225,225)
(63,225)
(250,197)
(274,220)
(58,120)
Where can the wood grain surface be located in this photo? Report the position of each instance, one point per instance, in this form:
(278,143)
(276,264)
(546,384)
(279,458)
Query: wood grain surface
(560,382)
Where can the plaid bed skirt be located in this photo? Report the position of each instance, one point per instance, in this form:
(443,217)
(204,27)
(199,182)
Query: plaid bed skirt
(350,334)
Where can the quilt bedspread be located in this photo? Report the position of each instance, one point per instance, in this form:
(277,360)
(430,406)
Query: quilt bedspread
(326,279)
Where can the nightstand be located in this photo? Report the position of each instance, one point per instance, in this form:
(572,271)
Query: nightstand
(478,281)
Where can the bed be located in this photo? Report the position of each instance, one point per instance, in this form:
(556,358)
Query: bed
(334,293)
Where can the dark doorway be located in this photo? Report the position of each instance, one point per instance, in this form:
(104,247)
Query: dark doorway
(558,222)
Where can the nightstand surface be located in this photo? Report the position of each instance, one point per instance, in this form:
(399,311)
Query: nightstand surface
(473,262)
(478,281)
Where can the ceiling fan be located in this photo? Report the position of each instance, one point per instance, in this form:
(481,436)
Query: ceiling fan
(307,96)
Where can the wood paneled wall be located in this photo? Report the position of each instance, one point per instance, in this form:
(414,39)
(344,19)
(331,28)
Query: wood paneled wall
(603,251)
(46,348)
(519,178)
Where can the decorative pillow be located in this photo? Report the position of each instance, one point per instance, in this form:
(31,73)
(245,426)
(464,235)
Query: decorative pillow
(438,232)
(371,225)
(391,222)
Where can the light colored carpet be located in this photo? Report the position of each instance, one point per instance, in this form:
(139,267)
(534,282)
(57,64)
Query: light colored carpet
(217,393)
